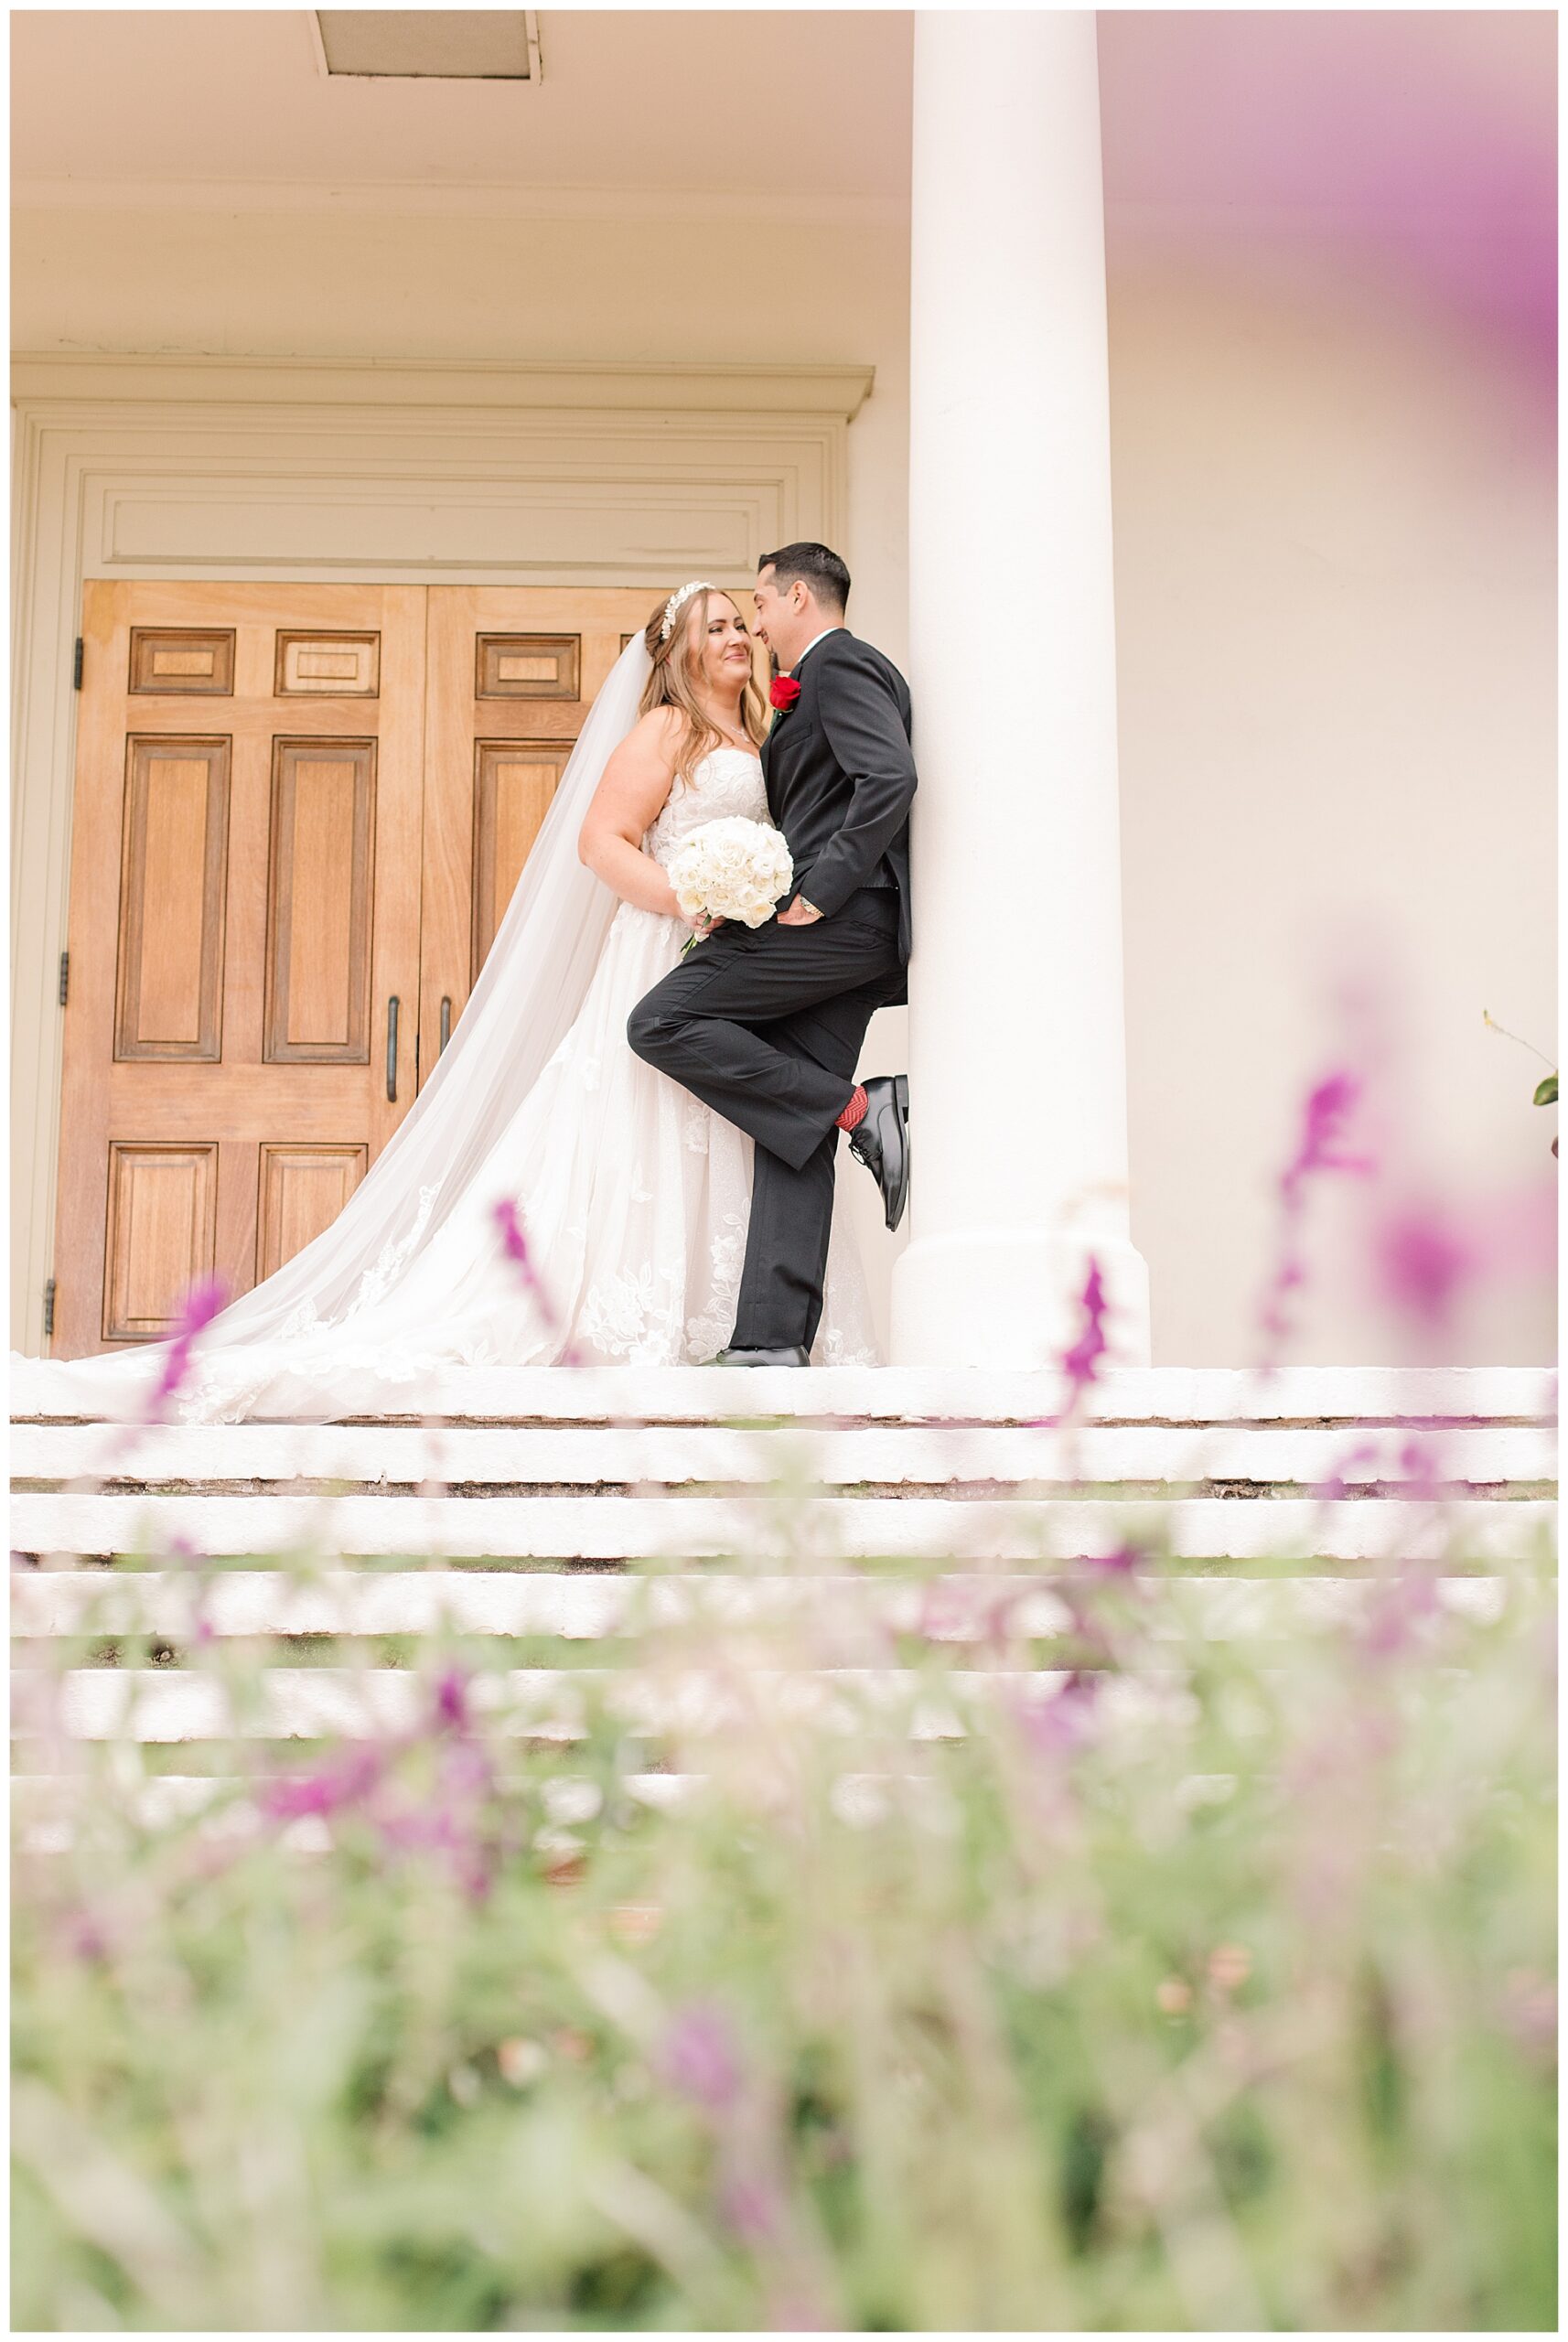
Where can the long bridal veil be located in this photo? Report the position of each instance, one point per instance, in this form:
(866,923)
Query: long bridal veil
(529,992)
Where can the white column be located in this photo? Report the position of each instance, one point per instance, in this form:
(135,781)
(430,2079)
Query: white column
(1018,1082)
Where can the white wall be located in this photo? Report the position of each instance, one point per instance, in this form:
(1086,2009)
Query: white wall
(1335,550)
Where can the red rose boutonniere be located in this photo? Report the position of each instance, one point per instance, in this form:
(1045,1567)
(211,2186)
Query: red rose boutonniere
(784,692)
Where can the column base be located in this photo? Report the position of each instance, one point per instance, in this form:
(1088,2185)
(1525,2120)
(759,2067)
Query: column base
(1014,1298)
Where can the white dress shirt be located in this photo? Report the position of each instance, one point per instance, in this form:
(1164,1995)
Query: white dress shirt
(837,627)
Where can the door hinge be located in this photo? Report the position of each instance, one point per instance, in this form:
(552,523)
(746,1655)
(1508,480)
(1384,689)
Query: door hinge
(64,977)
(77,663)
(50,1309)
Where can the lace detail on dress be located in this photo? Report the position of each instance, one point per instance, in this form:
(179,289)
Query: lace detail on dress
(727,781)
(377,1278)
(710,1329)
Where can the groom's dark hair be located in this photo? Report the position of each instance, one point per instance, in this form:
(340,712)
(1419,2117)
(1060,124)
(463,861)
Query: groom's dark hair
(819,570)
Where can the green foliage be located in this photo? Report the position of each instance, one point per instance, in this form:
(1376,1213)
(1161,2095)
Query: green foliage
(1213,1994)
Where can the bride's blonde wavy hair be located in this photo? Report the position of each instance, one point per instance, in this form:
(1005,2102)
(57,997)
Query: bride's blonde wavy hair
(673,684)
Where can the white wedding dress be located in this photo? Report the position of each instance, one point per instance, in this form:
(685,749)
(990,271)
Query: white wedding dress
(633,1196)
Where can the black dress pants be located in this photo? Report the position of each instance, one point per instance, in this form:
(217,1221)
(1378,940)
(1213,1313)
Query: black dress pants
(765,1025)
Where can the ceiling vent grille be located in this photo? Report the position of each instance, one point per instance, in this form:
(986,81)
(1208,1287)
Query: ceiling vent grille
(431,44)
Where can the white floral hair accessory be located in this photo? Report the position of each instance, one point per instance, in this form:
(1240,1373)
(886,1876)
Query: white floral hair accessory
(682,595)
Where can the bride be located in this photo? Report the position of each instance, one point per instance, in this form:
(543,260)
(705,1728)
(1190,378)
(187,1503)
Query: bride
(549,1198)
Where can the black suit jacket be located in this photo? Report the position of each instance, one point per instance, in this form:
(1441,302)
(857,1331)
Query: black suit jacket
(841,773)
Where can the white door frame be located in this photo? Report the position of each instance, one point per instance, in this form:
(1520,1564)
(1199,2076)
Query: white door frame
(401,474)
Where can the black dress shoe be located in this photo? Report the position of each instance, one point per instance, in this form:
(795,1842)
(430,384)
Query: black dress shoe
(881,1140)
(795,1355)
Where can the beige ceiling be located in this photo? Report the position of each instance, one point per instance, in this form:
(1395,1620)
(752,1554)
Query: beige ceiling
(1439,124)
(735,99)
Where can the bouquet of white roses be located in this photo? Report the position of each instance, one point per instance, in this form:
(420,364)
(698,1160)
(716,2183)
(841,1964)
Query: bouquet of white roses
(732,868)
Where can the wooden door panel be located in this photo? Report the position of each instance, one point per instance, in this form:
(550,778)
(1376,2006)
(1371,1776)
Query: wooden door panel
(528,666)
(163,1225)
(320,880)
(513,784)
(303,1189)
(174,868)
(190,661)
(328,666)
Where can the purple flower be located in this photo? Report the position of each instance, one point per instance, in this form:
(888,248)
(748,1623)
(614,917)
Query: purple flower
(514,1240)
(1080,1363)
(1400,1605)
(198,1310)
(699,2060)
(452,1700)
(1336,1485)
(1424,1260)
(1330,1105)
(334,1786)
(88,1937)
(191,1557)
(749,2208)
(1057,1723)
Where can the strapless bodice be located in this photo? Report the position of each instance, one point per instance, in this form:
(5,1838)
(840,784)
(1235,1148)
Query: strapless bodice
(724,783)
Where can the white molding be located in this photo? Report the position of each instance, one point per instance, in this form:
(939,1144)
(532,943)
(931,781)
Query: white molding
(821,392)
(242,468)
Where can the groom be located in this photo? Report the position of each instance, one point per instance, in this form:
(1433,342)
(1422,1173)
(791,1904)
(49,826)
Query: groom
(765,1025)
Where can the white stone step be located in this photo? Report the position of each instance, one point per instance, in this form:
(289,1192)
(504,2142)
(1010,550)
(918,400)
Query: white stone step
(166,1704)
(616,1529)
(1182,1395)
(579,1608)
(907,1455)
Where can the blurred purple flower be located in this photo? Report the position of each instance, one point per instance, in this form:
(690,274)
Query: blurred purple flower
(1423,1260)
(1056,1724)
(467,1773)
(749,2208)
(1397,1609)
(1329,1107)
(1122,1563)
(797,2313)
(1418,1462)
(699,2060)
(87,1935)
(191,1557)
(1080,1362)
(452,1700)
(1334,1486)
(437,1830)
(514,1240)
(345,1781)
(198,1310)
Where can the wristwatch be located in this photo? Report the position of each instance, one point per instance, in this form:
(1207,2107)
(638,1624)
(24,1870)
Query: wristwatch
(805,906)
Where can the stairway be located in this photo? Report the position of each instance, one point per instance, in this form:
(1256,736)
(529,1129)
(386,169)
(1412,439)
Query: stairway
(561,1518)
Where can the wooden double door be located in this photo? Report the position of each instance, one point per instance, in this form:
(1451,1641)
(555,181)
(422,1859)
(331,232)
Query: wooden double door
(300,811)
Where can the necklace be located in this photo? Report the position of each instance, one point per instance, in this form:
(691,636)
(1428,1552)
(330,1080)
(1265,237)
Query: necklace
(731,739)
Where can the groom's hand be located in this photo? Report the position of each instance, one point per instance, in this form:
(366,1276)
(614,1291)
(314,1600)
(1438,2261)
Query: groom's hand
(798,913)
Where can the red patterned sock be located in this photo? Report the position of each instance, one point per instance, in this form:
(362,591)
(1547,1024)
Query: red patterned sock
(854,1112)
